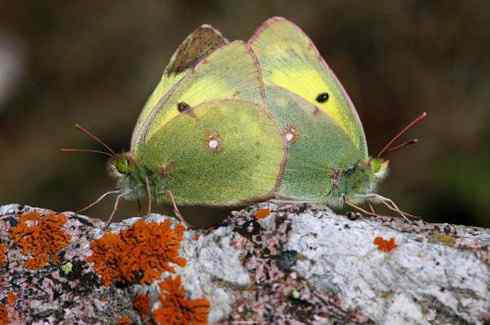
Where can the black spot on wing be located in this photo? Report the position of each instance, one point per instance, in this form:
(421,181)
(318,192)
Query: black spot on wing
(183,107)
(323,97)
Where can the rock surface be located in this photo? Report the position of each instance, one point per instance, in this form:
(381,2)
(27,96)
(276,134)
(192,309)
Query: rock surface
(268,263)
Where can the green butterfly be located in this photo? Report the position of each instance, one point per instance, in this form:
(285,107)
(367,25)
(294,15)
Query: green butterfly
(205,136)
(327,160)
(232,123)
(327,152)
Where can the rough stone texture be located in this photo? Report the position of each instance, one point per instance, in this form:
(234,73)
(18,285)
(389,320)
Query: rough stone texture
(299,265)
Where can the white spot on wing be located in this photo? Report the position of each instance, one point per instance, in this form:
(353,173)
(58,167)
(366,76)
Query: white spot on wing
(291,134)
(213,144)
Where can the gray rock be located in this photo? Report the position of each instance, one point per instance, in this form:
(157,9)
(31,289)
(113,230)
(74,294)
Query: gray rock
(299,265)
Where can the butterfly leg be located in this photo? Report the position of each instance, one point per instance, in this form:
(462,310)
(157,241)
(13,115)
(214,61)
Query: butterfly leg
(176,209)
(98,200)
(114,209)
(140,208)
(358,208)
(396,208)
(148,193)
(371,207)
(376,198)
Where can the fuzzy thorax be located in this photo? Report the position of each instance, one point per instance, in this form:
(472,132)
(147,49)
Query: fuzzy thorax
(355,184)
(134,179)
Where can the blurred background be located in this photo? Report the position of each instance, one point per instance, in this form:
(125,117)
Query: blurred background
(95,63)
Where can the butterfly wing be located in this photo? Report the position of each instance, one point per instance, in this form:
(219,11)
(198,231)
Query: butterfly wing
(199,44)
(229,72)
(222,153)
(289,59)
(317,147)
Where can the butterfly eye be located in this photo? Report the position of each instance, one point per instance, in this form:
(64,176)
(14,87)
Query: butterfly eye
(322,98)
(123,165)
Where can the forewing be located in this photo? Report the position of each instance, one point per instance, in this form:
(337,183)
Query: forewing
(223,153)
(288,58)
(199,44)
(317,147)
(230,72)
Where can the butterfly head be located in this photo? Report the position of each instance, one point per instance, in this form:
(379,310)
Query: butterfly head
(122,165)
(129,174)
(371,171)
(378,167)
(135,178)
(357,182)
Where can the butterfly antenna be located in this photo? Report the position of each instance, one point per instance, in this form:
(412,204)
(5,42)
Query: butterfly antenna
(103,196)
(95,138)
(403,145)
(412,124)
(86,150)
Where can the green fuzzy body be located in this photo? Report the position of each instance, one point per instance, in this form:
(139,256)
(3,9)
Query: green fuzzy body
(352,184)
(133,183)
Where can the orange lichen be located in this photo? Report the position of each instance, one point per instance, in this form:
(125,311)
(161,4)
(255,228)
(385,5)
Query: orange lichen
(262,213)
(3,254)
(142,305)
(7,308)
(125,320)
(385,245)
(11,298)
(176,308)
(41,237)
(140,253)
(4,319)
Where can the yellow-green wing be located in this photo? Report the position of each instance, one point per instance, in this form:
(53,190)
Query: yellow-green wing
(230,72)
(225,153)
(199,44)
(288,58)
(317,147)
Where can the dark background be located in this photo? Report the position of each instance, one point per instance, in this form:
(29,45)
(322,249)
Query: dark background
(95,63)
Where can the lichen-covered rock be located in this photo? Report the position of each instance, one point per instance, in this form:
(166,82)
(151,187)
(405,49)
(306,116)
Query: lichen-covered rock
(269,263)
(419,280)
